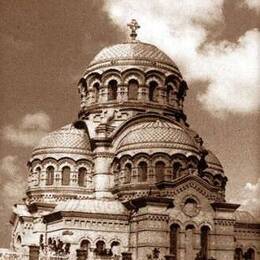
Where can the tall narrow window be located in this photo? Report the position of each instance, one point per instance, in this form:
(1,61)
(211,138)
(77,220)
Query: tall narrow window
(238,254)
(176,170)
(112,90)
(204,241)
(153,91)
(142,171)
(159,171)
(174,238)
(132,89)
(65,178)
(49,175)
(96,89)
(82,176)
(128,172)
(169,93)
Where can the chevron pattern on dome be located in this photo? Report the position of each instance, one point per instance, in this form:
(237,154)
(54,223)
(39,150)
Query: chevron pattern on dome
(159,134)
(132,51)
(66,137)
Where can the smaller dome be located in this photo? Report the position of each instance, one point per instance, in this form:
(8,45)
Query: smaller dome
(66,140)
(213,162)
(244,217)
(159,134)
(93,206)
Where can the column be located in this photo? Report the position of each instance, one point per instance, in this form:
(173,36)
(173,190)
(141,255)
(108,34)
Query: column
(102,175)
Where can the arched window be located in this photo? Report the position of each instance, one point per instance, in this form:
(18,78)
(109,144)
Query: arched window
(169,93)
(49,175)
(84,245)
(142,171)
(65,175)
(115,249)
(250,254)
(204,241)
(153,91)
(128,172)
(112,90)
(238,254)
(132,89)
(81,176)
(174,240)
(176,170)
(159,171)
(96,89)
(100,248)
(18,240)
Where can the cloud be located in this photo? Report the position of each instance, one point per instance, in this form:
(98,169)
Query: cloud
(30,130)
(181,29)
(253,4)
(250,197)
(12,181)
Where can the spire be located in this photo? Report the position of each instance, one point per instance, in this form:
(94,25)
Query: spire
(133,25)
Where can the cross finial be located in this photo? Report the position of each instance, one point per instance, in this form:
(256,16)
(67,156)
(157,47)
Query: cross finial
(133,25)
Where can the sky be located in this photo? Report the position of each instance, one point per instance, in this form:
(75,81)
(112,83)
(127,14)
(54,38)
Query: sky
(45,46)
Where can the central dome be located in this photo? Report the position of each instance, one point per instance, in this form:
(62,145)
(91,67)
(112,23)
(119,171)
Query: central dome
(132,51)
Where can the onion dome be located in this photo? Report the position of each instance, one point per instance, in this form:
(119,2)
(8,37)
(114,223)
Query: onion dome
(92,206)
(213,163)
(158,136)
(67,141)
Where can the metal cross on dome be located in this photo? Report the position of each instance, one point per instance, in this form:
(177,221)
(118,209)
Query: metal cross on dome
(133,25)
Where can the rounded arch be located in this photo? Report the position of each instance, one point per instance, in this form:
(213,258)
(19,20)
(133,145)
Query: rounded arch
(86,237)
(85,244)
(133,73)
(92,77)
(111,75)
(141,156)
(191,225)
(155,74)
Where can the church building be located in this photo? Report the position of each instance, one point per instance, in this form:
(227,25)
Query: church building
(129,178)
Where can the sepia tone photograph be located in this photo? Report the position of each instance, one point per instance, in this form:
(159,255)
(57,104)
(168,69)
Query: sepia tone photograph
(129,130)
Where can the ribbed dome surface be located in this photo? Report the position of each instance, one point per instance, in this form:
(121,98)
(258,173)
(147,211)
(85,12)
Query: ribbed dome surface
(132,51)
(158,134)
(213,162)
(93,206)
(66,139)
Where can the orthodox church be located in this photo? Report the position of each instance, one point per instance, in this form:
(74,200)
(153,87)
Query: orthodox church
(129,178)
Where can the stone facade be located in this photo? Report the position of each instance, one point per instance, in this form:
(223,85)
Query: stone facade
(129,179)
